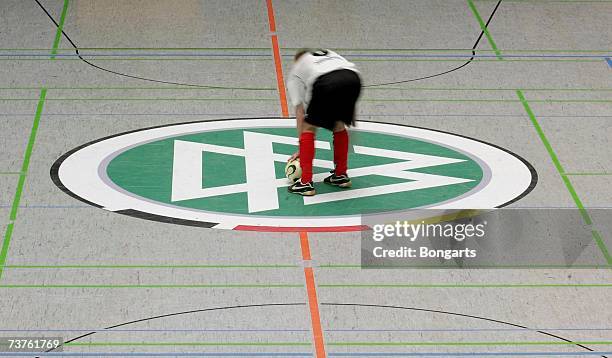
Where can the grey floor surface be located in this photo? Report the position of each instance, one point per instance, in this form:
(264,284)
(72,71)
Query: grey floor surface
(69,268)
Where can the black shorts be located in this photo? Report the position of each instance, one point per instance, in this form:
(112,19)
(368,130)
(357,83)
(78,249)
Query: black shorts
(334,95)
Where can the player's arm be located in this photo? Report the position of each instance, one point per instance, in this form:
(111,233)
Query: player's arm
(297,94)
(299,121)
(299,118)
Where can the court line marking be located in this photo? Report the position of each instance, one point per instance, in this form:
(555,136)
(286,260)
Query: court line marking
(342,285)
(339,344)
(585,215)
(484,28)
(114,286)
(311,287)
(239,99)
(155,88)
(150,354)
(534,2)
(291,354)
(198,56)
(273,266)
(58,33)
(68,49)
(26,163)
(87,58)
(156,114)
(346,330)
(20,184)
(589,173)
(453,285)
(186,266)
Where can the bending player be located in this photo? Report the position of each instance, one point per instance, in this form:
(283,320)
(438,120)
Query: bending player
(324,88)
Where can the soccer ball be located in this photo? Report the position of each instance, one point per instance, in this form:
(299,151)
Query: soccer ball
(293,170)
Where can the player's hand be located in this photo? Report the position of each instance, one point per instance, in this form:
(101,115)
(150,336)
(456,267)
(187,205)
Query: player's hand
(294,156)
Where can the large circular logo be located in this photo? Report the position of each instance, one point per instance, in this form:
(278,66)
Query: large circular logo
(230,174)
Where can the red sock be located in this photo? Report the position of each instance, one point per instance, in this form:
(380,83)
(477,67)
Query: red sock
(341,142)
(307,152)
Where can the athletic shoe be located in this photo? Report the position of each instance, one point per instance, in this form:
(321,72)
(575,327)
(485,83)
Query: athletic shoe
(342,181)
(302,189)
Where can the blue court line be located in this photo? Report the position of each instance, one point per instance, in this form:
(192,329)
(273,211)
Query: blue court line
(307,330)
(45,206)
(472,354)
(4,206)
(166,354)
(292,354)
(609,61)
(467,55)
(274,115)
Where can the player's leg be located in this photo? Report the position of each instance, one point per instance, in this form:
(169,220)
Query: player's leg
(307,151)
(339,176)
(346,93)
(304,186)
(341,146)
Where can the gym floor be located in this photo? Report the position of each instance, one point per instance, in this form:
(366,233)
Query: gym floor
(530,76)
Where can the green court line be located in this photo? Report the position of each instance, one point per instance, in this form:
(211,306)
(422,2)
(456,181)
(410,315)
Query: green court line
(58,33)
(266,49)
(148,88)
(456,285)
(238,99)
(458,60)
(593,173)
(246,285)
(282,266)
(152,99)
(184,344)
(554,1)
(345,344)
(348,266)
(560,170)
(602,246)
(485,29)
(149,266)
(343,285)
(456,344)
(22,176)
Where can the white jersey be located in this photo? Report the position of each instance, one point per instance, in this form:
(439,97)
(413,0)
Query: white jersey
(308,68)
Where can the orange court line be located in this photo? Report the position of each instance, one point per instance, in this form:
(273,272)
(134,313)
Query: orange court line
(278,63)
(311,287)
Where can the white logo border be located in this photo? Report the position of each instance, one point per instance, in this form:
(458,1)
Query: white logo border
(82,174)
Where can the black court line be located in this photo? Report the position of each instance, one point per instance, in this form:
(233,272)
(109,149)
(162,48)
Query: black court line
(76,49)
(359,305)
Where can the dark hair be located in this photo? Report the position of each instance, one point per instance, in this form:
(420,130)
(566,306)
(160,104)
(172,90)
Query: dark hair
(299,53)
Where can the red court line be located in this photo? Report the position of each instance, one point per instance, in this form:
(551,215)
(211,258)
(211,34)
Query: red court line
(311,286)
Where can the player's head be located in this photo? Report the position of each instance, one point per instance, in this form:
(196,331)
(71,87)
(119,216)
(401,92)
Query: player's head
(301,52)
(315,51)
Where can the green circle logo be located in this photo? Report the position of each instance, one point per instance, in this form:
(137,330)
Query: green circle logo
(231,174)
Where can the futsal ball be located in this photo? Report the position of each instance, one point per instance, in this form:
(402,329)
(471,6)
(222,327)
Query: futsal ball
(293,170)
